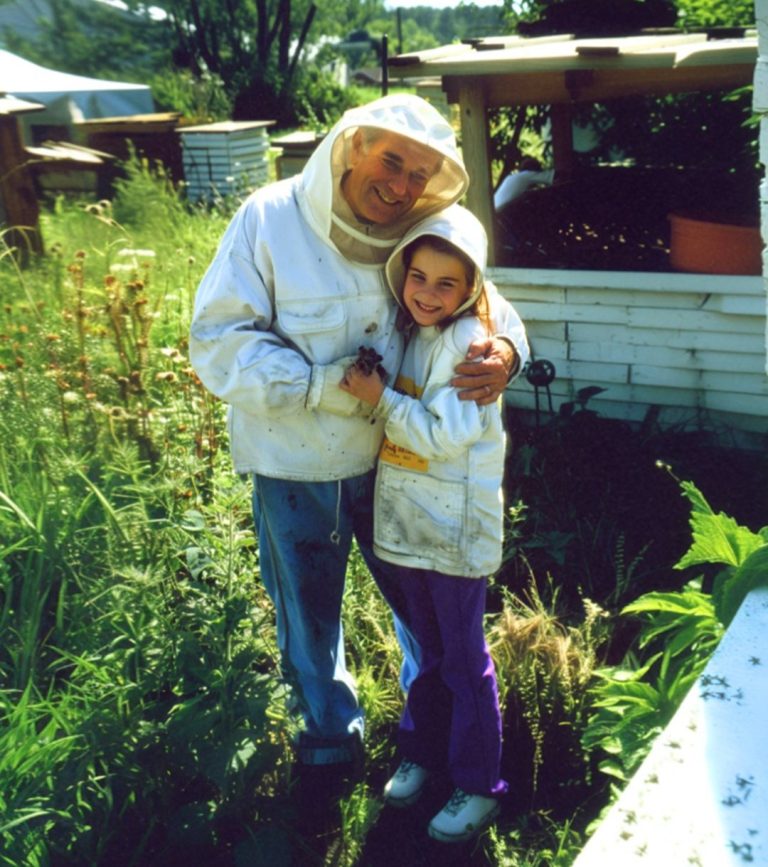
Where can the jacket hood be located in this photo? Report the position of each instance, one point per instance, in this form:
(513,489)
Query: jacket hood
(319,192)
(462,229)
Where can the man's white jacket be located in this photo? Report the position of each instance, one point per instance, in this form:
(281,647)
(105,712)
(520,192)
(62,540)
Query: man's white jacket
(295,288)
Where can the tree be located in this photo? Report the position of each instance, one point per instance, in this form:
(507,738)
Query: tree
(252,45)
(88,38)
(614,16)
(674,130)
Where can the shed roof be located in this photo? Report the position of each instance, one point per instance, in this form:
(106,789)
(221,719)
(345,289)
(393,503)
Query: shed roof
(516,70)
(91,97)
(12,105)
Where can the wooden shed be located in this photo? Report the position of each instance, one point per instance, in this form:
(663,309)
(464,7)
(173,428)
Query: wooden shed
(683,349)
(19,210)
(150,136)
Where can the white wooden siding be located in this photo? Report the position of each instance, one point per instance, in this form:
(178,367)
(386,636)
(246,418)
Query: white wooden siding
(692,345)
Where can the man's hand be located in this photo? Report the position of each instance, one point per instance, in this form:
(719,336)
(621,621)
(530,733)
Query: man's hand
(485,373)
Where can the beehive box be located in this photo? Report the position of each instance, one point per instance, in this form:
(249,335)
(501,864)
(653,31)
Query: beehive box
(225,158)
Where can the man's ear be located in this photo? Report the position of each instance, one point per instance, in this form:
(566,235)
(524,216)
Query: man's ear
(358,146)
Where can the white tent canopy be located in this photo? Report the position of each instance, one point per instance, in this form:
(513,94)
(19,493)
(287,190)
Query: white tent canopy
(70,98)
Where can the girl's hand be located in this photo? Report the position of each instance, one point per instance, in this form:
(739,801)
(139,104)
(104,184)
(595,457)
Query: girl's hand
(366,387)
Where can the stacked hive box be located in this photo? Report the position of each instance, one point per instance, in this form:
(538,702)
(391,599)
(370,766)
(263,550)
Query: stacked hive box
(225,158)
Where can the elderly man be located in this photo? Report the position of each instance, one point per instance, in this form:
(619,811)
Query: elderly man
(295,288)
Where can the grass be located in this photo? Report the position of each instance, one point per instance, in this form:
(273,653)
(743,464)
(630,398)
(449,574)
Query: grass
(142,718)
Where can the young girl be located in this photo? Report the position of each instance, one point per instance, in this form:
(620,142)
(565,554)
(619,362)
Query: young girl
(438,518)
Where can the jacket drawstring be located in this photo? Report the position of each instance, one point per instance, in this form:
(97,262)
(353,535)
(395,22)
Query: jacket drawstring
(335,535)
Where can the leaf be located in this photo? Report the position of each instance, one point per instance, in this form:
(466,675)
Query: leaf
(612,769)
(585,394)
(613,746)
(193,521)
(696,633)
(20,514)
(697,500)
(685,603)
(717,538)
(197,560)
(752,573)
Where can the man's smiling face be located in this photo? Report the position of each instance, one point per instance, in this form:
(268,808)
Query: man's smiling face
(387,176)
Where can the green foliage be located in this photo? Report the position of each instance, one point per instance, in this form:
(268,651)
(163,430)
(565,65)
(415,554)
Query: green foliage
(145,197)
(320,101)
(95,39)
(717,538)
(677,636)
(536,840)
(426,26)
(681,130)
(678,633)
(140,709)
(690,13)
(589,488)
(253,48)
(715,13)
(200,99)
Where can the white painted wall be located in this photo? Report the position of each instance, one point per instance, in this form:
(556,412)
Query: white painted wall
(692,346)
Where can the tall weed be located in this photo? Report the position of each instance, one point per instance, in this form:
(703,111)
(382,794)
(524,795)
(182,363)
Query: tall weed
(544,668)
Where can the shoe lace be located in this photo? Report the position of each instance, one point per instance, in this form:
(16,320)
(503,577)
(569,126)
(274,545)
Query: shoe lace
(406,767)
(457,800)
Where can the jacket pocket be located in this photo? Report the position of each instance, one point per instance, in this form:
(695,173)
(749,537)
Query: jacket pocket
(418,515)
(311,316)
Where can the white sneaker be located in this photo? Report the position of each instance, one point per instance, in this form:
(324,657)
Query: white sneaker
(463,817)
(406,785)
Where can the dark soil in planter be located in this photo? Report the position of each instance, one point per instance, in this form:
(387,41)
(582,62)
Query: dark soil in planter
(585,222)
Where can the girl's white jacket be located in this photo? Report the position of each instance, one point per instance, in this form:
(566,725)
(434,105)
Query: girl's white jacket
(439,502)
(295,288)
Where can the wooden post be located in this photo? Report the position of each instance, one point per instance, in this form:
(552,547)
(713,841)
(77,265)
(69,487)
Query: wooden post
(18,193)
(562,140)
(475,150)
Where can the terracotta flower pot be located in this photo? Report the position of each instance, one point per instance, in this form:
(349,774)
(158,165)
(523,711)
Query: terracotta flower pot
(709,244)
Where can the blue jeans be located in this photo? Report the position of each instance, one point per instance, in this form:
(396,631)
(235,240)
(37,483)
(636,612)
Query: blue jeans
(305,534)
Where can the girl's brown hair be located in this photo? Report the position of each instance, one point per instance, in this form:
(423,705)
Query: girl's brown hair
(480,309)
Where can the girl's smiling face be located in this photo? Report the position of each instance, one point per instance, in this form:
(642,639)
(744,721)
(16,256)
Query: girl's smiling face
(436,285)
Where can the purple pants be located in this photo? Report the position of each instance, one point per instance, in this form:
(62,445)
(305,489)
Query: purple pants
(452,715)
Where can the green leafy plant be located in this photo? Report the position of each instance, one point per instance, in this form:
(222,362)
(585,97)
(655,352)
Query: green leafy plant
(678,632)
